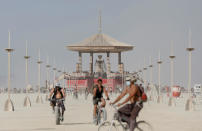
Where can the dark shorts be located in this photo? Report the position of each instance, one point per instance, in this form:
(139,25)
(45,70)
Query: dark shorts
(96,100)
(130,110)
(53,103)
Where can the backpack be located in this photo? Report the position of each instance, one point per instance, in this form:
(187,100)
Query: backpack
(142,94)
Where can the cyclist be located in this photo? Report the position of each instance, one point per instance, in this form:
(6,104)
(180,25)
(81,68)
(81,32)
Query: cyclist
(57,93)
(86,93)
(98,90)
(75,92)
(129,112)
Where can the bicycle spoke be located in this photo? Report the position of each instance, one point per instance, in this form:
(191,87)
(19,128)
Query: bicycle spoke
(139,129)
(120,126)
(107,126)
(104,126)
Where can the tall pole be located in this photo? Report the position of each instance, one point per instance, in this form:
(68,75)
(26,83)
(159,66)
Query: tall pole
(100,22)
(27,102)
(59,71)
(140,76)
(91,72)
(172,57)
(151,70)
(68,80)
(9,67)
(151,77)
(39,74)
(144,75)
(47,73)
(54,73)
(47,77)
(64,73)
(159,78)
(189,104)
(9,104)
(123,78)
(39,98)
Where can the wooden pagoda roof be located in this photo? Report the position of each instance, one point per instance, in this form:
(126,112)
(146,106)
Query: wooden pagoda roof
(100,43)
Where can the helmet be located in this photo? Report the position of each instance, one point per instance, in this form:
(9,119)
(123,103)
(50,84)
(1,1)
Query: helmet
(57,84)
(131,79)
(128,78)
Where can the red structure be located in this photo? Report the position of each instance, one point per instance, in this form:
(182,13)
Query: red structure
(176,91)
(84,83)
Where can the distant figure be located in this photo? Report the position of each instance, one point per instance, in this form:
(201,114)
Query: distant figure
(86,93)
(75,93)
(110,91)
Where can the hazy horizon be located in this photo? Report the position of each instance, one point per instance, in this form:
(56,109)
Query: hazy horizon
(148,25)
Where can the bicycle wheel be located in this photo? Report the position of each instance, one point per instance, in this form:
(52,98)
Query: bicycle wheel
(107,126)
(103,115)
(143,126)
(57,115)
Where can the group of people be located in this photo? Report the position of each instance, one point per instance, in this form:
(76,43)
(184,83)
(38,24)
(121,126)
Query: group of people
(126,112)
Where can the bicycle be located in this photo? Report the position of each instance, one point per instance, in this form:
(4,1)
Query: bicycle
(101,114)
(116,125)
(58,110)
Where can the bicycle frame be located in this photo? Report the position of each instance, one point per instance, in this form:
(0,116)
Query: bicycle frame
(99,111)
(58,109)
(113,124)
(113,121)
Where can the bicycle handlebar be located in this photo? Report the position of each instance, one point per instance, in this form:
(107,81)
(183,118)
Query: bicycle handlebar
(62,99)
(114,106)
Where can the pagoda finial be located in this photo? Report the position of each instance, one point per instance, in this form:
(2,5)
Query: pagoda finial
(190,35)
(100,22)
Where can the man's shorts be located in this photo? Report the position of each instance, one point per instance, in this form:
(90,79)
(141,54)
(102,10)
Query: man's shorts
(53,103)
(131,110)
(96,101)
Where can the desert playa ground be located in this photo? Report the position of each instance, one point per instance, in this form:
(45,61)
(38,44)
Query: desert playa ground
(78,116)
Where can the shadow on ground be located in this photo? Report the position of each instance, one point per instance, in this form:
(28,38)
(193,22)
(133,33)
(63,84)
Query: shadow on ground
(44,129)
(84,123)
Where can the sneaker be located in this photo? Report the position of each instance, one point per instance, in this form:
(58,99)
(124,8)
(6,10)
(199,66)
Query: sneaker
(62,118)
(53,110)
(95,120)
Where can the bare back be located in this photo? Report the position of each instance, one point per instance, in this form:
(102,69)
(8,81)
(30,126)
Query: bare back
(130,91)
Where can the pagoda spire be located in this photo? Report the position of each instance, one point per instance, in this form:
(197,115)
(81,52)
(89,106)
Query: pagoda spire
(100,22)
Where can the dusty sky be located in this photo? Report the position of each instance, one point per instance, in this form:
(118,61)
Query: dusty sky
(149,25)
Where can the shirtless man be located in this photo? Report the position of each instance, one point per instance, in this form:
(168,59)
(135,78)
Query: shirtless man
(57,93)
(98,91)
(129,112)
